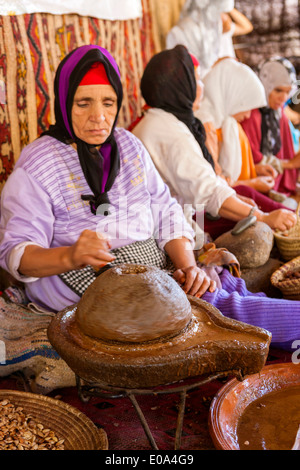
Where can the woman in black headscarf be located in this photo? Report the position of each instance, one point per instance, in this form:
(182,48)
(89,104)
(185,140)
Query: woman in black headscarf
(174,89)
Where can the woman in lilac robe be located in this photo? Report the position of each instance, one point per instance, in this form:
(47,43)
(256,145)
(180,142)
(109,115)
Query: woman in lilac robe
(86,188)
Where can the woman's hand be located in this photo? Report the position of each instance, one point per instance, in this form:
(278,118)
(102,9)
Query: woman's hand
(281,219)
(90,248)
(194,281)
(265,170)
(263,184)
(292,163)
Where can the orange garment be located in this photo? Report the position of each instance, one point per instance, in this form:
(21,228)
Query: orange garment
(248,168)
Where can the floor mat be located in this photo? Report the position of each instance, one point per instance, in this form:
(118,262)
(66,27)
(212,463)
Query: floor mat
(118,417)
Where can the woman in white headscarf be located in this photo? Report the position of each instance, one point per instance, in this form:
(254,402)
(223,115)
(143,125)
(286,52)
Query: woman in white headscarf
(268,128)
(200,29)
(231,91)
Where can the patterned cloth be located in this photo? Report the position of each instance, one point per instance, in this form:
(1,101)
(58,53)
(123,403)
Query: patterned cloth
(31,47)
(105,9)
(144,252)
(24,346)
(210,256)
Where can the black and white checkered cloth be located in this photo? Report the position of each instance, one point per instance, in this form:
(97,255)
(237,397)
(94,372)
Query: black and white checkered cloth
(143,252)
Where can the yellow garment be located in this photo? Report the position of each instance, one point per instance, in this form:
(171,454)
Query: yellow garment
(248,168)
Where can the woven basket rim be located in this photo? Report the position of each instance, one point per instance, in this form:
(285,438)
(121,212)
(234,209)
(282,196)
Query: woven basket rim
(285,237)
(277,278)
(85,428)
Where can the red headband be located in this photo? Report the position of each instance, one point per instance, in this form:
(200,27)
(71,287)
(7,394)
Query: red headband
(95,76)
(195,61)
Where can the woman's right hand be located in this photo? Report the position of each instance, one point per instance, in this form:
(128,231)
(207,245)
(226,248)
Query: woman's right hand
(90,248)
(280,219)
(194,281)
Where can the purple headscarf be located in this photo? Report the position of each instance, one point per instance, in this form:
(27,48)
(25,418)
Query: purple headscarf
(99,167)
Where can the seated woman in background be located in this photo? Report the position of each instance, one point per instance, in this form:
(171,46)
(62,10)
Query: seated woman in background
(175,139)
(231,91)
(268,128)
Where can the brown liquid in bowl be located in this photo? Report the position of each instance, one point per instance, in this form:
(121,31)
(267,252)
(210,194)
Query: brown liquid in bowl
(271,422)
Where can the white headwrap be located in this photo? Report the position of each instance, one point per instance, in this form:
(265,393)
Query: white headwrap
(277,72)
(200,30)
(211,8)
(230,88)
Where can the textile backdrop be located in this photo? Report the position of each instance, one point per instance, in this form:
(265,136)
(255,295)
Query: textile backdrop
(31,47)
(276,31)
(104,9)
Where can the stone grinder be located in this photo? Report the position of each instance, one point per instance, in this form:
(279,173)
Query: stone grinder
(135,328)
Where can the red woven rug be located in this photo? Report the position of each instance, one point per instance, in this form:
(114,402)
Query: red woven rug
(119,419)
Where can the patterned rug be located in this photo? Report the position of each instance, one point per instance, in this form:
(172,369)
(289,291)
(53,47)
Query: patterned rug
(31,47)
(119,419)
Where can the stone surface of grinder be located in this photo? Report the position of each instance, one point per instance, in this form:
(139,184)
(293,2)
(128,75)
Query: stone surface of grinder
(133,303)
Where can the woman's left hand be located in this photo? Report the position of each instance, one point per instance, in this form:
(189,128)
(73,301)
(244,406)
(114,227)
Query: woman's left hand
(194,281)
(265,170)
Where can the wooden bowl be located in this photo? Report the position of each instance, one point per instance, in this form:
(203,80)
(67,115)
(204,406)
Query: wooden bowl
(68,423)
(232,400)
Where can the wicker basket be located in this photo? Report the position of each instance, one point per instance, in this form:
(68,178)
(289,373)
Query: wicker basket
(68,423)
(290,288)
(288,242)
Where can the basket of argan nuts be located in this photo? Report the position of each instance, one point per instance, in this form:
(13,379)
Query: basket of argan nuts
(287,279)
(30,421)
